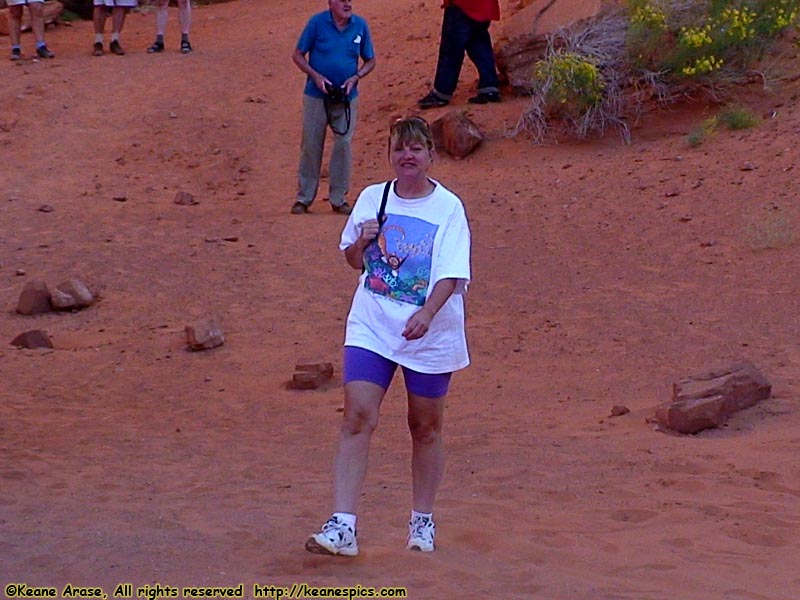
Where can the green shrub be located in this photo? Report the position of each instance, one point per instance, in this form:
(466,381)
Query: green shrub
(604,71)
(686,40)
(738,117)
(699,134)
(570,84)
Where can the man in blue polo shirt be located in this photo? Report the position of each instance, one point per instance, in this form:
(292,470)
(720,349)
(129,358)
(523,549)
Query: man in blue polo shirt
(328,52)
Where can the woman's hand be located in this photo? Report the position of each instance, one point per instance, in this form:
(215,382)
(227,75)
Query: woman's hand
(369,230)
(418,324)
(354,253)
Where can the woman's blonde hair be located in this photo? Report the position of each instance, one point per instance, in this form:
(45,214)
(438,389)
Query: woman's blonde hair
(409,130)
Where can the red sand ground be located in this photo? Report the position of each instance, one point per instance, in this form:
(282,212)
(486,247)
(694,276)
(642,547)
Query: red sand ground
(602,273)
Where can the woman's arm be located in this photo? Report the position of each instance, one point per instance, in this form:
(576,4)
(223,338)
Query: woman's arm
(420,321)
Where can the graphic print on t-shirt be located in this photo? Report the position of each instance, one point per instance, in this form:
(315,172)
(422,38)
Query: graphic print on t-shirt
(398,262)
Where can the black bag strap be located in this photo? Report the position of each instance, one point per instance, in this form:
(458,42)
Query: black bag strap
(382,209)
(381,212)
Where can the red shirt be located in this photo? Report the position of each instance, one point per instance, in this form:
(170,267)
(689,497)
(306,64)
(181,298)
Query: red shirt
(480,10)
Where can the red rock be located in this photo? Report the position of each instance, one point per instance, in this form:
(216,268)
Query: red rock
(205,336)
(456,134)
(34,299)
(708,399)
(310,376)
(35,338)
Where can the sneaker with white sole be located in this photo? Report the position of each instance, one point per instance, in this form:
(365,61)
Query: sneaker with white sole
(421,531)
(335,537)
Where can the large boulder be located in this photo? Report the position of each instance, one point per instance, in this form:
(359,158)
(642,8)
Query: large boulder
(522,40)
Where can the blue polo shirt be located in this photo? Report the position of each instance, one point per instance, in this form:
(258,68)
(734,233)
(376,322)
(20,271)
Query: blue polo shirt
(335,53)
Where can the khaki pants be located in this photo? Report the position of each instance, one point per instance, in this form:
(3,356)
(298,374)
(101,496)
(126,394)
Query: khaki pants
(315,127)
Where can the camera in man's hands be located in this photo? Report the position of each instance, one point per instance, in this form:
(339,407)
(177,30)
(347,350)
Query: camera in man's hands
(336,94)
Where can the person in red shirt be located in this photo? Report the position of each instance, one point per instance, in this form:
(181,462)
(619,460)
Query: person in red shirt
(465,29)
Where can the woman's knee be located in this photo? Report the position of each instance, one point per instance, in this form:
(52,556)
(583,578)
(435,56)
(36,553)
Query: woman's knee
(358,422)
(425,431)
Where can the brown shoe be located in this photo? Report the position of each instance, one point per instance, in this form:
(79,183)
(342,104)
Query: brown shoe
(298,208)
(97,49)
(116,48)
(343,209)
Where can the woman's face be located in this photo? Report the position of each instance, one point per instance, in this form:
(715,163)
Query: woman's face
(410,160)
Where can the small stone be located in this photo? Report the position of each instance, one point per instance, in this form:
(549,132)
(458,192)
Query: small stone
(35,338)
(20,272)
(204,336)
(120,198)
(310,376)
(618,410)
(46,208)
(185,199)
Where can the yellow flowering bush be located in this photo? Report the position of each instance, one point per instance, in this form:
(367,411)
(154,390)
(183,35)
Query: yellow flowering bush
(570,83)
(730,33)
(605,72)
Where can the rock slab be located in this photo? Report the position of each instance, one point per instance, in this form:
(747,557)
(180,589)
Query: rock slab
(708,399)
(310,376)
(35,338)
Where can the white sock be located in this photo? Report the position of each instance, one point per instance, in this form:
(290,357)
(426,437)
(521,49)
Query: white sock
(415,514)
(114,37)
(348,519)
(98,38)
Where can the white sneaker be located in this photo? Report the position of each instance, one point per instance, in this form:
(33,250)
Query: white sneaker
(421,531)
(334,538)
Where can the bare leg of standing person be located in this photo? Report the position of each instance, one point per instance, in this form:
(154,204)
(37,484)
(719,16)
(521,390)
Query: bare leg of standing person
(117,23)
(425,421)
(99,18)
(15,29)
(162,14)
(362,402)
(185,20)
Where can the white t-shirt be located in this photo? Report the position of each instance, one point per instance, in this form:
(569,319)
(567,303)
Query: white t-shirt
(422,241)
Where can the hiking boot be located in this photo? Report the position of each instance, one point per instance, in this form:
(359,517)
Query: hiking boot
(16,54)
(97,49)
(421,532)
(44,52)
(186,47)
(334,538)
(156,47)
(485,98)
(432,101)
(343,209)
(298,208)
(116,48)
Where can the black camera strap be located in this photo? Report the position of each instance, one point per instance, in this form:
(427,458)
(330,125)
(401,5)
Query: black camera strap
(328,113)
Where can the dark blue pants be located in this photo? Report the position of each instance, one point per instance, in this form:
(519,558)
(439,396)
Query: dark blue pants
(462,34)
